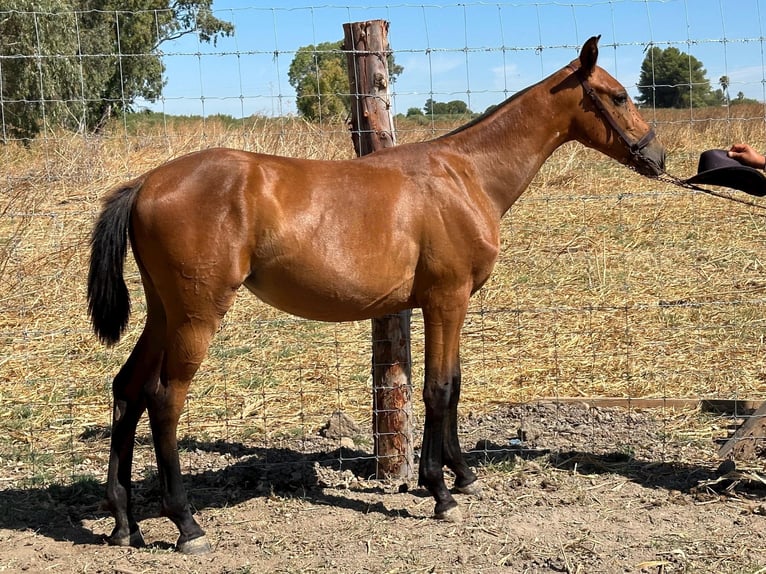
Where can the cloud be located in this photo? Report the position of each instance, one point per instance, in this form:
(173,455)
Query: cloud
(435,63)
(748,75)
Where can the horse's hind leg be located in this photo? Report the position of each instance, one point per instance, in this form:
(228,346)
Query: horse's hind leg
(141,369)
(188,344)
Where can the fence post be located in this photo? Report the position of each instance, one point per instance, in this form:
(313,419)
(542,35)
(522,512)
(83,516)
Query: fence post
(372,129)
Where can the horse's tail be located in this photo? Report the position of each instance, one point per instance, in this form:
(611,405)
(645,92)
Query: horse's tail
(108,297)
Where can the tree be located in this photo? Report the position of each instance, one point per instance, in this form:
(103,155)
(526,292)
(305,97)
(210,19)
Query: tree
(74,63)
(741,99)
(320,79)
(319,75)
(455,107)
(673,79)
(723,81)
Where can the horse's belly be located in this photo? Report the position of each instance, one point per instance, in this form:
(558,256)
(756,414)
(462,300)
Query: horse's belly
(330,298)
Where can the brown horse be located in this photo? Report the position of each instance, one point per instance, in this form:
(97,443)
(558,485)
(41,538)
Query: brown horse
(410,226)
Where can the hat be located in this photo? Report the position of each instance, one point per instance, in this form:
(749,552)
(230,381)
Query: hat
(717,168)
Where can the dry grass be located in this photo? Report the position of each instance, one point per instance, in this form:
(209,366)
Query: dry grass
(608,284)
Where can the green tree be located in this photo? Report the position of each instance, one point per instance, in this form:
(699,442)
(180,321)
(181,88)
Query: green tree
(75,63)
(319,75)
(741,99)
(455,107)
(673,79)
(724,82)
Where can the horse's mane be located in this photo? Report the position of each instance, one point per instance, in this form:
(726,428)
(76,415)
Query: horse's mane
(489,112)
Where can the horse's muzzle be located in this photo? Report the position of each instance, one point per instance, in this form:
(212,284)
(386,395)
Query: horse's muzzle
(650,160)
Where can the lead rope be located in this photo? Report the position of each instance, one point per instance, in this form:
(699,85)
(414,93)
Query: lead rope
(667,178)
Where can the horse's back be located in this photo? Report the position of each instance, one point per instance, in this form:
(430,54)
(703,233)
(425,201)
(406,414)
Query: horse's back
(329,240)
(302,235)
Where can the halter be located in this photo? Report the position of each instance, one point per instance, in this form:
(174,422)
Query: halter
(636,147)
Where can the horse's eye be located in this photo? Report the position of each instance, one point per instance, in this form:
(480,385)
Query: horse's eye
(620,99)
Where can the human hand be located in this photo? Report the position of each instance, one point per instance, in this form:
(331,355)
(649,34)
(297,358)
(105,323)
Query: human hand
(746,155)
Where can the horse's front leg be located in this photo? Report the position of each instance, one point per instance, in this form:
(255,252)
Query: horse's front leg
(441,392)
(436,391)
(465,479)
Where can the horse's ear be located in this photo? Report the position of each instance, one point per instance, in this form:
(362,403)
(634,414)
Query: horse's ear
(589,55)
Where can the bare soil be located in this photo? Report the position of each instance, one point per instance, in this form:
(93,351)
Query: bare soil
(586,490)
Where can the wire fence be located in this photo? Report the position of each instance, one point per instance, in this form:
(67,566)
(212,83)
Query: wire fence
(608,285)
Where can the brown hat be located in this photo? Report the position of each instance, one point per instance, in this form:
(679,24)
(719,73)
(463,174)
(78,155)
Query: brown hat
(717,168)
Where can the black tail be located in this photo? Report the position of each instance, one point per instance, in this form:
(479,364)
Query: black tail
(108,297)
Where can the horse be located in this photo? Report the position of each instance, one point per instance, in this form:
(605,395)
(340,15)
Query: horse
(413,226)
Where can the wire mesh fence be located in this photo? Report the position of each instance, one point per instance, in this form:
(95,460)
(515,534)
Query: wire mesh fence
(607,285)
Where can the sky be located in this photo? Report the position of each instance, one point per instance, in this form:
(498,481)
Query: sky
(478,52)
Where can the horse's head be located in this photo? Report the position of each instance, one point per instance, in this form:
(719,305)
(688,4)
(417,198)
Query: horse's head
(611,123)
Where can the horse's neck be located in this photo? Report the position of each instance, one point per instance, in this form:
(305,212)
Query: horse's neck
(510,145)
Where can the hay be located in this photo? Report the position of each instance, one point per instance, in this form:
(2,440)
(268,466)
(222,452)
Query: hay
(608,284)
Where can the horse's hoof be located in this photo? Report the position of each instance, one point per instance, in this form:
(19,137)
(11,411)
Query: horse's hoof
(198,545)
(135,539)
(450,515)
(473,489)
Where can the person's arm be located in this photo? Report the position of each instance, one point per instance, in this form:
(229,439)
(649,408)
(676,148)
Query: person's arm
(745,154)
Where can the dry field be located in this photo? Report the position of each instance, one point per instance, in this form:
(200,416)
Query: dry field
(608,285)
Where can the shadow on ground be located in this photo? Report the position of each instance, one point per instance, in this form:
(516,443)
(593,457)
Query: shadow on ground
(57,511)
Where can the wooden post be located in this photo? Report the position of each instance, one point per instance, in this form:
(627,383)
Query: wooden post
(372,129)
(743,442)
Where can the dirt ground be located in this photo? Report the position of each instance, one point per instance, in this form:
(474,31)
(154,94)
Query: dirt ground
(586,490)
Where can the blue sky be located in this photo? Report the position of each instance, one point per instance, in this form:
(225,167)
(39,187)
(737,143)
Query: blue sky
(478,52)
